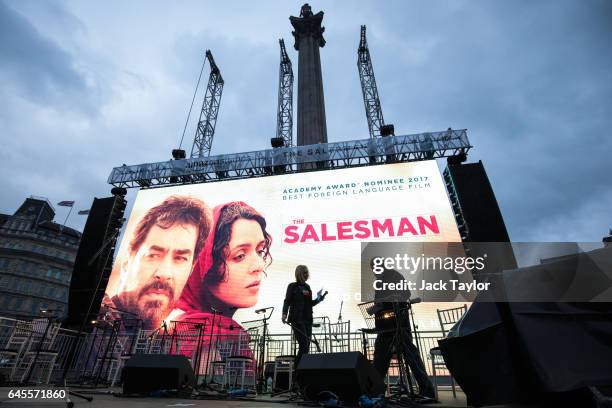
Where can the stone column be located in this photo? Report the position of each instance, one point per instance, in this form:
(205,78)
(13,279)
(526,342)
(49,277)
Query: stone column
(311,124)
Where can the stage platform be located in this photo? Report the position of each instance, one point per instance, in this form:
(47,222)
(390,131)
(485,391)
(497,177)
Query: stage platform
(103,398)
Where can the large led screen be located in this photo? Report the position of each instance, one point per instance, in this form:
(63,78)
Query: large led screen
(233,246)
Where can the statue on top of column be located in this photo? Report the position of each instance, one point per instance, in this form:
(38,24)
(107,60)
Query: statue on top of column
(306,10)
(308,25)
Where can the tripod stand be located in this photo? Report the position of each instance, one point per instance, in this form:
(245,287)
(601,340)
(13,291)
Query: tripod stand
(206,383)
(263,340)
(400,336)
(408,356)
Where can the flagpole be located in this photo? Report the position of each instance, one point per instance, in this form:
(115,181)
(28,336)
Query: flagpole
(66,220)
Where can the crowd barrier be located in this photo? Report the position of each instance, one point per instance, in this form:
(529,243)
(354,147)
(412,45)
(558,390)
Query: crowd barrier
(40,351)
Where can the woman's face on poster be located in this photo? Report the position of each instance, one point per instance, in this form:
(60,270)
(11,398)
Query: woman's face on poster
(244,265)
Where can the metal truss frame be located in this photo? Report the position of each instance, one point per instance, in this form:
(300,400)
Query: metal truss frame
(324,156)
(369,89)
(284,123)
(205,131)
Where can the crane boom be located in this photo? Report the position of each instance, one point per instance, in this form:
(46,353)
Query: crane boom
(284,118)
(368,87)
(205,130)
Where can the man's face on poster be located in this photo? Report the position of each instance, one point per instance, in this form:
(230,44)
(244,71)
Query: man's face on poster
(159,269)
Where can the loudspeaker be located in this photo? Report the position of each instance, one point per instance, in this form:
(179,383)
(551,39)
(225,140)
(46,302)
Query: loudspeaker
(478,215)
(93,262)
(144,373)
(348,375)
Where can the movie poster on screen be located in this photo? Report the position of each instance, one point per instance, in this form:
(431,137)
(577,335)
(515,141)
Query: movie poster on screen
(318,219)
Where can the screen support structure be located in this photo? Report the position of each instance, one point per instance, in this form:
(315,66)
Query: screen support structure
(324,156)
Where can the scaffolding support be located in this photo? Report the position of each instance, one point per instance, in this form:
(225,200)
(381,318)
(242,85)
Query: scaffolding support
(346,154)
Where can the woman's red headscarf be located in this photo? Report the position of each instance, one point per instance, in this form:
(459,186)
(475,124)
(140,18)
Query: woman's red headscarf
(190,301)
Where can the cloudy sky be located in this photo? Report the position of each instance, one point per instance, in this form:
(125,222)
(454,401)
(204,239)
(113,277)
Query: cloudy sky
(88,86)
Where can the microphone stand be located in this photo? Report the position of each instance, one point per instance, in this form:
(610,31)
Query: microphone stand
(263,340)
(414,328)
(398,342)
(110,345)
(403,315)
(163,342)
(364,343)
(150,336)
(210,337)
(340,314)
(173,338)
(262,349)
(131,349)
(200,327)
(112,341)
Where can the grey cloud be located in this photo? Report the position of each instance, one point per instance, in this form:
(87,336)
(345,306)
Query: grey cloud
(532,82)
(38,68)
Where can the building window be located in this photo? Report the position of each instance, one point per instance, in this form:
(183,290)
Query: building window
(17,302)
(23,286)
(6,302)
(5,262)
(35,307)
(59,294)
(39,271)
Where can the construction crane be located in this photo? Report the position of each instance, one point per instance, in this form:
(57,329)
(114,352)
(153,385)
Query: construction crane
(205,131)
(376,122)
(284,118)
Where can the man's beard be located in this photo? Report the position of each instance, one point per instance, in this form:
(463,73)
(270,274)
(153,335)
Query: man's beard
(152,312)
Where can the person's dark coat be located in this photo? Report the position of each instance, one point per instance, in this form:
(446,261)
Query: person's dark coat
(298,303)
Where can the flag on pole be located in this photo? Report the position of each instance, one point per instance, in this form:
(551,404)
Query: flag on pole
(66,203)
(84,212)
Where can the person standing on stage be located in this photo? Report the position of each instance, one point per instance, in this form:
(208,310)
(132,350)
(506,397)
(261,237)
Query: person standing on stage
(297,309)
(386,303)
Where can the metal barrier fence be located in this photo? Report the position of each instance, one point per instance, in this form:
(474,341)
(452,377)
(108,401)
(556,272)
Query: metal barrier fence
(97,357)
(70,348)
